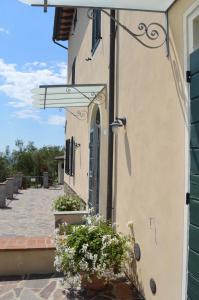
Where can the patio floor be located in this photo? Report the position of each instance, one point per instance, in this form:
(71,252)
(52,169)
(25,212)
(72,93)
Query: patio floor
(30,213)
(40,287)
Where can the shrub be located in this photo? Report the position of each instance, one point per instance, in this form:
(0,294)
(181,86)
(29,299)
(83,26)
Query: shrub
(91,250)
(68,203)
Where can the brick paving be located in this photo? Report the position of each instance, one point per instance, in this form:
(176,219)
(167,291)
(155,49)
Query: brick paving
(39,287)
(26,243)
(30,213)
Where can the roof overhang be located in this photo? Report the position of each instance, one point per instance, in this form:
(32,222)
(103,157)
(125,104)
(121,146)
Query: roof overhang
(143,5)
(62,23)
(63,96)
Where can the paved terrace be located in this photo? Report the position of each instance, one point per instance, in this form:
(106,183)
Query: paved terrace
(39,287)
(30,213)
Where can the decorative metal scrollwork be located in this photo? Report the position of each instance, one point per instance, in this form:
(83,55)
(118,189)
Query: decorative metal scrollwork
(152,36)
(90,13)
(80,115)
(154,32)
(100,99)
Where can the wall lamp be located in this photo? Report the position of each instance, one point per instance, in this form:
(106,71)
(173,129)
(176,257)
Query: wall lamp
(119,122)
(77,145)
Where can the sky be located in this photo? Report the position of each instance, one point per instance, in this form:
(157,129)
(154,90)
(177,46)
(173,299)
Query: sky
(28,58)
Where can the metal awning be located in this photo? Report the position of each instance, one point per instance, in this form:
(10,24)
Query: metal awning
(63,96)
(145,5)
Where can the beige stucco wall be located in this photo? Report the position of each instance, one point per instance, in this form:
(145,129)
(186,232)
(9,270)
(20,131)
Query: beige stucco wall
(23,262)
(149,155)
(95,72)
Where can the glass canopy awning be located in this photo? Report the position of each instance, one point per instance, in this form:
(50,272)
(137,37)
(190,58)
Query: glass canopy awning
(63,96)
(146,5)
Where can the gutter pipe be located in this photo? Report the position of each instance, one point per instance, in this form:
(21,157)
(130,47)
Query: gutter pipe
(54,41)
(111,115)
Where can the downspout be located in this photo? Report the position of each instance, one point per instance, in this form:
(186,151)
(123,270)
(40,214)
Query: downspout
(60,45)
(111,115)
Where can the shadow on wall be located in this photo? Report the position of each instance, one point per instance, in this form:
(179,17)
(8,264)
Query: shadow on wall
(132,271)
(78,34)
(128,154)
(179,83)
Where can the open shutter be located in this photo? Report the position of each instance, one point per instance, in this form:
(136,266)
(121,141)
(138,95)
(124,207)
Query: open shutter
(193,266)
(67,157)
(72,157)
(94,170)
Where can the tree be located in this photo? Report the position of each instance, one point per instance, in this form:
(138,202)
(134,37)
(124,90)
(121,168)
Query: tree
(29,160)
(4,169)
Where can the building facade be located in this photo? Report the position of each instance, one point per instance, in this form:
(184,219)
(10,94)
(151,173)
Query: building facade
(147,173)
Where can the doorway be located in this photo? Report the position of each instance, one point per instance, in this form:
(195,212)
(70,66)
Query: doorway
(94,162)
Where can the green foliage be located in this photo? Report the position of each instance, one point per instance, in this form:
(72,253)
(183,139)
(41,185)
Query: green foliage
(4,169)
(30,160)
(94,249)
(68,203)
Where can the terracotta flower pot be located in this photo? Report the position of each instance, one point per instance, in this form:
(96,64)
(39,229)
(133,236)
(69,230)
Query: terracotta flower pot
(95,284)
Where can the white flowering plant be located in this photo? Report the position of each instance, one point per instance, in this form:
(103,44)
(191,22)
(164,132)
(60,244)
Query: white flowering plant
(68,203)
(89,250)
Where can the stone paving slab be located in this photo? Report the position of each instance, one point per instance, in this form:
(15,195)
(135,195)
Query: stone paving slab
(30,213)
(38,287)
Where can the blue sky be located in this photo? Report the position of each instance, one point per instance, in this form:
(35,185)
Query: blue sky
(28,57)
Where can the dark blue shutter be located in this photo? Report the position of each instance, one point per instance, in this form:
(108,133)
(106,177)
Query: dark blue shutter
(96,30)
(72,157)
(193,266)
(67,157)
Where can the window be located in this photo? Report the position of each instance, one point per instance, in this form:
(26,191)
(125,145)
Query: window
(73,71)
(96,32)
(67,157)
(70,157)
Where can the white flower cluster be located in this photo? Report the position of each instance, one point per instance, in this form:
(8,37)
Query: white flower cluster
(88,255)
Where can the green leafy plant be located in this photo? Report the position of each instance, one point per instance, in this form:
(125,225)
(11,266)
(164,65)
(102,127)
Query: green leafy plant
(68,203)
(90,250)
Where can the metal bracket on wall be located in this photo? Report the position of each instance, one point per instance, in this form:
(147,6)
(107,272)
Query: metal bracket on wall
(152,36)
(80,115)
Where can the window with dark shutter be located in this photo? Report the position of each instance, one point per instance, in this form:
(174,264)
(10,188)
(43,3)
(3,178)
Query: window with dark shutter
(96,32)
(67,157)
(72,156)
(73,71)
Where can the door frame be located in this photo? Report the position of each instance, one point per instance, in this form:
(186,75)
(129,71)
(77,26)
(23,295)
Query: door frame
(188,26)
(93,127)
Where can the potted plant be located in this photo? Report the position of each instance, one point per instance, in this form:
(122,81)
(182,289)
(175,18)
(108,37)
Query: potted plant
(90,255)
(69,209)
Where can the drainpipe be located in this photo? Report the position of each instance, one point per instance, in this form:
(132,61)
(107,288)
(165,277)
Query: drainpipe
(111,115)
(60,45)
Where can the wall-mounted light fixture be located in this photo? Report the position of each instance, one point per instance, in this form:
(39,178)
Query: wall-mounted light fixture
(119,122)
(77,145)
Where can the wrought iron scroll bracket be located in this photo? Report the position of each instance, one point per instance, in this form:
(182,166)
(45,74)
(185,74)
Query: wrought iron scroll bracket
(152,36)
(80,115)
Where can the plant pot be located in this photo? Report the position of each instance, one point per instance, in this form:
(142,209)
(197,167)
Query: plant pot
(69,217)
(96,284)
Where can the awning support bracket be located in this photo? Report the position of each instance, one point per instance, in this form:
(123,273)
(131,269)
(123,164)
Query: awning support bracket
(155,33)
(80,115)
